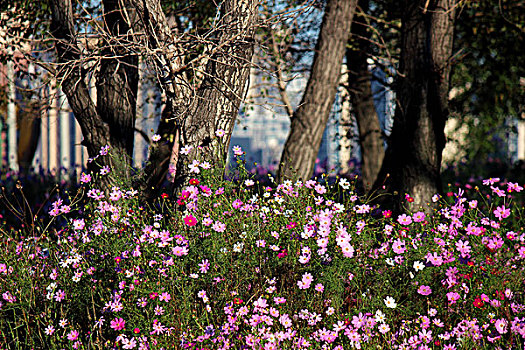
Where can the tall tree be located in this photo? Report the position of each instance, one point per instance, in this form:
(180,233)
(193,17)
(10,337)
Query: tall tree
(213,104)
(310,118)
(203,78)
(111,120)
(413,157)
(362,99)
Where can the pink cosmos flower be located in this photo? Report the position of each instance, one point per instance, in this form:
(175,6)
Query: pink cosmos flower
(73,335)
(424,290)
(78,224)
(501,212)
(463,247)
(165,296)
(219,226)
(186,150)
(399,246)
(348,250)
(404,219)
(155,138)
(179,251)
(118,324)
(434,259)
(491,181)
(452,297)
(49,330)
(419,216)
(511,186)
(194,167)
(237,150)
(204,266)
(279,300)
(320,189)
(501,325)
(85,178)
(60,295)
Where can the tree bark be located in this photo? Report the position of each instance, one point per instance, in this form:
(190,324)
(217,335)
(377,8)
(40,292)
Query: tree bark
(117,80)
(362,99)
(214,105)
(310,118)
(222,90)
(413,157)
(94,130)
(111,121)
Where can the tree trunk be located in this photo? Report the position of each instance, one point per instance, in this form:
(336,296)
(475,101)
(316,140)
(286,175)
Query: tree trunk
(413,157)
(362,99)
(109,123)
(117,81)
(214,106)
(28,137)
(310,118)
(221,92)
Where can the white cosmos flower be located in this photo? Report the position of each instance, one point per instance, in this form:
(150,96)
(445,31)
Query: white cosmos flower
(344,183)
(379,316)
(390,302)
(418,265)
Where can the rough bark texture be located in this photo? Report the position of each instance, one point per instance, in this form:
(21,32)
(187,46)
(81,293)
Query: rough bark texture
(360,87)
(213,106)
(310,118)
(222,90)
(413,157)
(111,121)
(117,80)
(94,130)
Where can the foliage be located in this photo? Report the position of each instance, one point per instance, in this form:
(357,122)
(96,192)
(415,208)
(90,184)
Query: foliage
(230,264)
(487,80)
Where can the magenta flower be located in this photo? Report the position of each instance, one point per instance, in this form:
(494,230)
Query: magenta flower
(73,335)
(424,290)
(190,220)
(118,324)
(501,212)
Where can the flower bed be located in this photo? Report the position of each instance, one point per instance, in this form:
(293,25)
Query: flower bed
(235,265)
